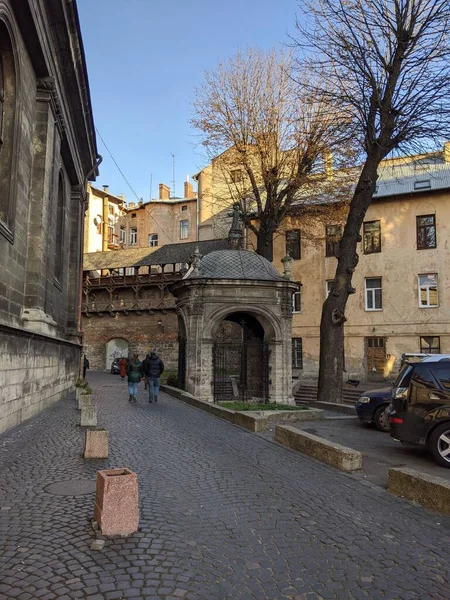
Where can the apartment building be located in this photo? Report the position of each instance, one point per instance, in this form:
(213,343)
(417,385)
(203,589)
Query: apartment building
(105,212)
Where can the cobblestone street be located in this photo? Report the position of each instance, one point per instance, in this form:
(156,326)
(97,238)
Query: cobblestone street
(225,514)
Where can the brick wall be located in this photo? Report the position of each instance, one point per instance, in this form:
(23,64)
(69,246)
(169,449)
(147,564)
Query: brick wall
(35,373)
(142,332)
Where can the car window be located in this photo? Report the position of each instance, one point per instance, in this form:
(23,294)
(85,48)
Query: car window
(442,374)
(422,383)
(403,378)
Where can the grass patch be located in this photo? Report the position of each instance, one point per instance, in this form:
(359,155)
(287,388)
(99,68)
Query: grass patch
(267,406)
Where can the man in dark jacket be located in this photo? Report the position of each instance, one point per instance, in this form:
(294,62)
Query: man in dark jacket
(154,366)
(144,365)
(85,366)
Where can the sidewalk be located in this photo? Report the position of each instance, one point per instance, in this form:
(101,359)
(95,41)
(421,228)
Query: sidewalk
(225,515)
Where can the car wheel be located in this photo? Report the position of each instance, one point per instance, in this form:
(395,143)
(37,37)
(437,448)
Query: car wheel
(380,419)
(440,445)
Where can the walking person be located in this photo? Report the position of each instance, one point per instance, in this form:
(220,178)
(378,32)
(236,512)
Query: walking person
(144,366)
(153,370)
(85,366)
(135,373)
(123,367)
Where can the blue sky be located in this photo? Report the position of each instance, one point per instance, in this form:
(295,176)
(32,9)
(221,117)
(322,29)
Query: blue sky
(144,58)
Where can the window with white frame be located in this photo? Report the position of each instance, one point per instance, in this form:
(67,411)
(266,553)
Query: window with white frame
(297,353)
(297,301)
(123,235)
(328,286)
(184,229)
(133,236)
(373,293)
(152,240)
(428,290)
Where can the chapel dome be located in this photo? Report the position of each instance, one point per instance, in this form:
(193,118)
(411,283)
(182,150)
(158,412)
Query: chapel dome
(237,264)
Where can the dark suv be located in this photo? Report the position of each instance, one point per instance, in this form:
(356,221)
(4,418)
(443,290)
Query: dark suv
(420,406)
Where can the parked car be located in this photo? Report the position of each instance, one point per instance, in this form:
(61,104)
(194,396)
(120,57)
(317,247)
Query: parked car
(115,369)
(371,407)
(419,412)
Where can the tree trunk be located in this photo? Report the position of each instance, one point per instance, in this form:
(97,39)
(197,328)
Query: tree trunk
(333,312)
(264,245)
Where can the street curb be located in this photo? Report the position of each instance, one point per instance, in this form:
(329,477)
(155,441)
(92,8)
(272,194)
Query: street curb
(346,409)
(428,490)
(253,422)
(345,459)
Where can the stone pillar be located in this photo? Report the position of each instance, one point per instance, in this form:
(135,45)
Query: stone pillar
(75,259)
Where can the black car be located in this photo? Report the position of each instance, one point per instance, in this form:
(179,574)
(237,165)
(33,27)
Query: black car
(419,412)
(372,405)
(115,369)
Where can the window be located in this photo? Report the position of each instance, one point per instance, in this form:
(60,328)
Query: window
(153,240)
(110,234)
(328,285)
(133,236)
(123,235)
(373,293)
(236,175)
(297,301)
(184,208)
(8,129)
(184,229)
(297,354)
(133,216)
(293,244)
(111,209)
(98,221)
(333,234)
(59,238)
(422,184)
(428,290)
(372,237)
(430,344)
(426,232)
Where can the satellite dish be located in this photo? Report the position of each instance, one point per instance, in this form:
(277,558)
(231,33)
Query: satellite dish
(96,221)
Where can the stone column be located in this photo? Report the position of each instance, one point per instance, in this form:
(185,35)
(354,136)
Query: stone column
(75,258)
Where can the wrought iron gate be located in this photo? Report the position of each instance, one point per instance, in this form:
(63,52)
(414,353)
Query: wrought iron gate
(241,371)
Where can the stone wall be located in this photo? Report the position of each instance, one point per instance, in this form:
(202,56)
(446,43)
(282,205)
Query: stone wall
(142,332)
(35,373)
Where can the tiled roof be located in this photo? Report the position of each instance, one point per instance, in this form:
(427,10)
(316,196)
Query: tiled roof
(139,257)
(237,264)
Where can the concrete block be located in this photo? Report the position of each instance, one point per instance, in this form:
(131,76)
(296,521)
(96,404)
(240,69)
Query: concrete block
(252,422)
(84,400)
(88,416)
(96,443)
(312,414)
(116,507)
(428,490)
(345,459)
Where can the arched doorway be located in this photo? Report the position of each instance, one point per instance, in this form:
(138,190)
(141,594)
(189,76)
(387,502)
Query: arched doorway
(115,348)
(240,360)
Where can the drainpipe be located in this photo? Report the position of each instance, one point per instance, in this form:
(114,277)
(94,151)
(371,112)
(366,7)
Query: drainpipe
(105,219)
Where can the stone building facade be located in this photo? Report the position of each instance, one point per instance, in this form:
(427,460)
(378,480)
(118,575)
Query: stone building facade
(104,214)
(47,154)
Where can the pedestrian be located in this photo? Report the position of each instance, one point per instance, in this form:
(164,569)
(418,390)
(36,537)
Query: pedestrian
(85,366)
(144,365)
(153,370)
(135,373)
(123,367)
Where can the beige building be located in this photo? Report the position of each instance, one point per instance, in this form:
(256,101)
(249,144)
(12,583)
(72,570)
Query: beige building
(401,302)
(160,222)
(102,220)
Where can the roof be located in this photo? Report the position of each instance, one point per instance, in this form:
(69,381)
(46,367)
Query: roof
(236,264)
(155,202)
(139,257)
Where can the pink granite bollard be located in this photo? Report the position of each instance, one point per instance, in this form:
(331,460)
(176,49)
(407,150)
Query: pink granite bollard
(116,507)
(96,443)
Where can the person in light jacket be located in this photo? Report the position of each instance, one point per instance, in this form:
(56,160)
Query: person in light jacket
(154,367)
(135,374)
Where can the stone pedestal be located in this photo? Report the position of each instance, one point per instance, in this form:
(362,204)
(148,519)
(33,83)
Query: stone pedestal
(88,416)
(116,502)
(84,400)
(96,443)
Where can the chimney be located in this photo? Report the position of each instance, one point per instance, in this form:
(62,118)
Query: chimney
(188,189)
(106,188)
(164,191)
(447,152)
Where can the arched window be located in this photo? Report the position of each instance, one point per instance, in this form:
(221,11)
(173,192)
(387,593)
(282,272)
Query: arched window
(59,238)
(7,130)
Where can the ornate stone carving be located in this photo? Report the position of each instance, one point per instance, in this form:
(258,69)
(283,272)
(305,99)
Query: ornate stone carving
(196,307)
(46,91)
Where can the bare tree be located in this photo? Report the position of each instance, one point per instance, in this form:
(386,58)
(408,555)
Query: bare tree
(387,64)
(266,134)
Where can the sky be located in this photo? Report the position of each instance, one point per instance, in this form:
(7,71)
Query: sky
(144,59)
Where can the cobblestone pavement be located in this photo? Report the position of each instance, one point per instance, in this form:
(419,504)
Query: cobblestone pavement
(225,514)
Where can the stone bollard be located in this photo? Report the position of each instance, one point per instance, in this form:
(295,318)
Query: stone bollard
(116,507)
(84,400)
(96,443)
(88,416)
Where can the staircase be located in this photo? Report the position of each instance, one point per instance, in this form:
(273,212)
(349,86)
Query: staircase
(307,392)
